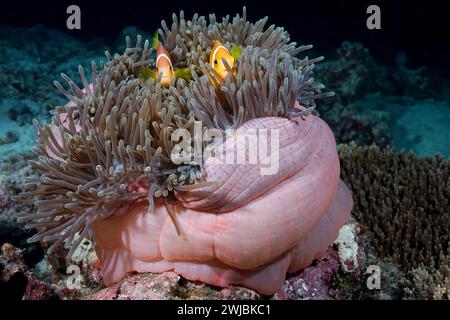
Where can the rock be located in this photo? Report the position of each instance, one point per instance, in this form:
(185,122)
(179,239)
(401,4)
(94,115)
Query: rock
(348,247)
(314,282)
(330,277)
(165,286)
(144,286)
(17,281)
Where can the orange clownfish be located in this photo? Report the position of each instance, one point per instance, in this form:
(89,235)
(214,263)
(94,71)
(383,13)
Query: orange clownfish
(216,57)
(164,66)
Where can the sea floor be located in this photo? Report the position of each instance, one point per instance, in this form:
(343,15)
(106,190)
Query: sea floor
(422,126)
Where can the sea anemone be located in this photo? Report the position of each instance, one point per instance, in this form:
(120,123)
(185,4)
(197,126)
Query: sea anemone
(107,171)
(403,202)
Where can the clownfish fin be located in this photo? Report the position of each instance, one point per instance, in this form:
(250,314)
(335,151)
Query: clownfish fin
(183,73)
(145,73)
(155,40)
(236,51)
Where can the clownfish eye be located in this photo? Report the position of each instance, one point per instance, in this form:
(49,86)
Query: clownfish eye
(215,62)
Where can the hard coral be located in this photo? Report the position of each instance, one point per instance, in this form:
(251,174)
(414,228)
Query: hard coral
(403,201)
(106,169)
(17,282)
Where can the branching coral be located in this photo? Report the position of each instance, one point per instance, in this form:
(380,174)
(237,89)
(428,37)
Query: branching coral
(110,150)
(404,203)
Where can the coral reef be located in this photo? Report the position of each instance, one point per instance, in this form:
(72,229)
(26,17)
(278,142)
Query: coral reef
(353,74)
(426,134)
(29,60)
(41,276)
(12,180)
(43,281)
(17,134)
(17,281)
(403,203)
(32,57)
(374,104)
(106,161)
(4,201)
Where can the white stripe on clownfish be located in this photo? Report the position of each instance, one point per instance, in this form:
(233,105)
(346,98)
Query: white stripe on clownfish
(217,49)
(163,55)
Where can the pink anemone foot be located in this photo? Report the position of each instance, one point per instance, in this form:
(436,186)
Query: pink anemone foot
(249,229)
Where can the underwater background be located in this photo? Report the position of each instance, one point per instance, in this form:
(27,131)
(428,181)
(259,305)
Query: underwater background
(390,117)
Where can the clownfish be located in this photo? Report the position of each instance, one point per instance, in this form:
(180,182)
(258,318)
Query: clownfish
(217,56)
(219,53)
(164,66)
